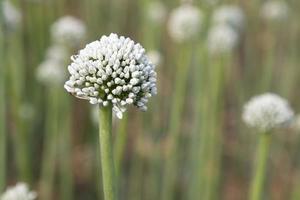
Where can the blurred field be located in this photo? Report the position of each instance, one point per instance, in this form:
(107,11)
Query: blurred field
(190,144)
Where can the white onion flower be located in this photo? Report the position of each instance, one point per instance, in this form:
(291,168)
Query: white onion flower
(113,70)
(12,16)
(267,111)
(155,57)
(19,192)
(231,15)
(275,10)
(221,39)
(51,72)
(156,12)
(185,23)
(68,31)
(58,53)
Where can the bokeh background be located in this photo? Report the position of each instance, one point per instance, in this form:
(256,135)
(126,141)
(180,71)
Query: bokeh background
(190,144)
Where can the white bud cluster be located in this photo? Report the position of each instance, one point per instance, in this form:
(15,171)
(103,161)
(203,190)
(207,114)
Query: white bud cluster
(19,192)
(221,39)
(52,70)
(267,111)
(12,16)
(113,70)
(275,10)
(68,31)
(156,12)
(185,23)
(231,15)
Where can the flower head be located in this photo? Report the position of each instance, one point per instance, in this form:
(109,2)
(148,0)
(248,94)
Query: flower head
(12,16)
(68,31)
(157,12)
(18,192)
(275,10)
(231,15)
(221,39)
(184,23)
(113,70)
(267,111)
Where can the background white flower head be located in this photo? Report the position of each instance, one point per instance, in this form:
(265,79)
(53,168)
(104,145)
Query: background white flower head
(185,23)
(58,53)
(155,57)
(296,123)
(113,70)
(12,16)
(267,111)
(68,31)
(231,15)
(19,192)
(221,39)
(51,72)
(156,12)
(275,10)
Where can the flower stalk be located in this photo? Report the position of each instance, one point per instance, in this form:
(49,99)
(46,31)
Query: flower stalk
(257,184)
(2,110)
(177,107)
(106,153)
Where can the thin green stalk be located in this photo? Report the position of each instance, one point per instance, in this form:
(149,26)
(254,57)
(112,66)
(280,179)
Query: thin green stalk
(257,185)
(50,146)
(170,171)
(16,84)
(107,161)
(214,141)
(119,145)
(295,192)
(206,181)
(65,153)
(2,109)
(135,191)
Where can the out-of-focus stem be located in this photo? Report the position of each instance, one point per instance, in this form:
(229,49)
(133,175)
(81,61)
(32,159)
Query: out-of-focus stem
(257,185)
(50,146)
(2,108)
(65,154)
(170,168)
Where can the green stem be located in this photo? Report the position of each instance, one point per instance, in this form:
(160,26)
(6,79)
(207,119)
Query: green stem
(2,109)
(107,161)
(65,153)
(214,138)
(120,143)
(257,184)
(50,143)
(177,106)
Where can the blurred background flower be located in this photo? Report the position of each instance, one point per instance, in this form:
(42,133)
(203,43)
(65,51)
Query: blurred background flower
(19,192)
